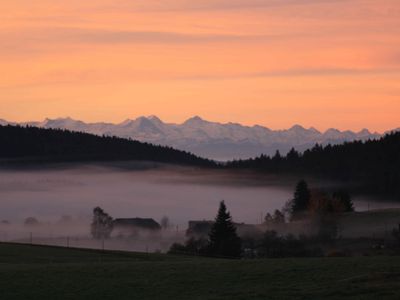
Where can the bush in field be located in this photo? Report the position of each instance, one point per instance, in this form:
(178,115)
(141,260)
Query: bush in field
(273,245)
(102,224)
(191,247)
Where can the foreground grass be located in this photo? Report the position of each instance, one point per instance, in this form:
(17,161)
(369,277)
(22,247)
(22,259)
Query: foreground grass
(35,272)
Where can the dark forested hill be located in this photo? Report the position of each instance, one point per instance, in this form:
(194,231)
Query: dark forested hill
(375,163)
(38,144)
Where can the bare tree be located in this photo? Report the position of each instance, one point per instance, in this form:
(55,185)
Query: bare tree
(102,224)
(165,223)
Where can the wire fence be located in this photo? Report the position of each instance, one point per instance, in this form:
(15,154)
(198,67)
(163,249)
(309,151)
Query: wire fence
(147,243)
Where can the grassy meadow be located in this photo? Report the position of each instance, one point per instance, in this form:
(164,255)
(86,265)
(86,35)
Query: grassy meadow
(42,272)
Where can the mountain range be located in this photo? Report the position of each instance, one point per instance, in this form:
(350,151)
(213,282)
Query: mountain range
(210,139)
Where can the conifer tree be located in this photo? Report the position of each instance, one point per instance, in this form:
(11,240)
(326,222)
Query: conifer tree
(302,196)
(223,239)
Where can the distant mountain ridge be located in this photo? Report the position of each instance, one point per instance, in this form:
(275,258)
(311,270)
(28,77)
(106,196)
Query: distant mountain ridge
(211,139)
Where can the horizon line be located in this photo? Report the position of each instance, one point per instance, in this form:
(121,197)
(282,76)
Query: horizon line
(194,117)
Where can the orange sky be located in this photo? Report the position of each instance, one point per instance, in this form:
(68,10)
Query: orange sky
(321,63)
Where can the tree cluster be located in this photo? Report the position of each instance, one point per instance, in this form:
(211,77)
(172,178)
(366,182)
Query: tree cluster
(374,164)
(222,241)
(317,207)
(273,245)
(306,203)
(278,217)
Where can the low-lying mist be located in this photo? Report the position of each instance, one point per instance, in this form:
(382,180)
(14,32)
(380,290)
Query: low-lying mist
(128,191)
(179,193)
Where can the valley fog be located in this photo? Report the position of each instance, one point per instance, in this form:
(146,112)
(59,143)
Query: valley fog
(179,193)
(128,191)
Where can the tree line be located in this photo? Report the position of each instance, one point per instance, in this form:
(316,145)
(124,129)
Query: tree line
(373,164)
(39,144)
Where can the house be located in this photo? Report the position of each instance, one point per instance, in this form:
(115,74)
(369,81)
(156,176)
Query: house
(134,226)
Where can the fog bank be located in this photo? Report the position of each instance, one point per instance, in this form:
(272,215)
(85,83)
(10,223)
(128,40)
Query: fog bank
(126,190)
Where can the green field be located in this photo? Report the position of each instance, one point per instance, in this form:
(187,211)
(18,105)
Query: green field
(38,272)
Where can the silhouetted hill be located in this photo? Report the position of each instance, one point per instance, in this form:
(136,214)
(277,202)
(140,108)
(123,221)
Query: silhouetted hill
(374,163)
(214,140)
(38,144)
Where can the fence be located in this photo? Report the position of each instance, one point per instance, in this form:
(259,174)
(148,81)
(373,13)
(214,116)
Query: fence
(148,243)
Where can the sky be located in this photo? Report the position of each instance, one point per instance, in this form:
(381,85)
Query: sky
(321,63)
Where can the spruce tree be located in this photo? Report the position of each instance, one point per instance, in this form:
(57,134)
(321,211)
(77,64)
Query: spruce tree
(223,239)
(302,197)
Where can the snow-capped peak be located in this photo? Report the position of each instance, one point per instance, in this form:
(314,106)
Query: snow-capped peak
(194,120)
(154,119)
(297,128)
(211,139)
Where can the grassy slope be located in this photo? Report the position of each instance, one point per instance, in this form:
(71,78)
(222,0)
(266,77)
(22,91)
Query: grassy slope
(34,272)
